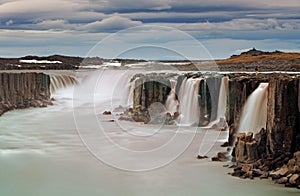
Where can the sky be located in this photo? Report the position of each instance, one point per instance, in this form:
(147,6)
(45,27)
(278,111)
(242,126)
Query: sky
(190,28)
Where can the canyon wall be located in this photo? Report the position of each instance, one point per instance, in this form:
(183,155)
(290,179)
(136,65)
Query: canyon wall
(282,134)
(282,130)
(275,151)
(154,88)
(23,90)
(283,115)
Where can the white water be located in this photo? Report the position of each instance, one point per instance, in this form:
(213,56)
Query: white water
(188,99)
(61,81)
(41,153)
(222,102)
(254,114)
(172,104)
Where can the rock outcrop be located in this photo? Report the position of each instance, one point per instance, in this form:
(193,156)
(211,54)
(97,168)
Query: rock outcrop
(273,151)
(23,90)
(259,154)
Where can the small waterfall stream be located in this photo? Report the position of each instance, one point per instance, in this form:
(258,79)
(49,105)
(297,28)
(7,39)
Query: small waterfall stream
(223,98)
(172,104)
(222,102)
(189,105)
(61,81)
(254,114)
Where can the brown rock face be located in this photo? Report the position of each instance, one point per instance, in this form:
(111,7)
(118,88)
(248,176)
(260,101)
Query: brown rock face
(23,90)
(240,88)
(297,158)
(153,88)
(150,89)
(283,115)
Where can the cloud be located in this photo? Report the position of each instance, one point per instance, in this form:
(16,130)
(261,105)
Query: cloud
(241,24)
(129,5)
(9,22)
(38,23)
(113,23)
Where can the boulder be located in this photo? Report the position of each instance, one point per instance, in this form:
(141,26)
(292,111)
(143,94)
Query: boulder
(283,171)
(106,113)
(251,148)
(282,180)
(297,158)
(294,179)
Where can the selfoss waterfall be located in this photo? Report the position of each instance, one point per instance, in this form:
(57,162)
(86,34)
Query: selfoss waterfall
(73,147)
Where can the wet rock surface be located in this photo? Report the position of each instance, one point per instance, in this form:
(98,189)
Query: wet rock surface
(23,90)
(140,114)
(266,167)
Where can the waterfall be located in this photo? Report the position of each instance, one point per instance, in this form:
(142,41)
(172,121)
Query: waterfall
(254,114)
(222,102)
(127,98)
(61,81)
(172,104)
(188,99)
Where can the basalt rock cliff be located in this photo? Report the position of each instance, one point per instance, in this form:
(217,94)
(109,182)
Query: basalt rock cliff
(23,90)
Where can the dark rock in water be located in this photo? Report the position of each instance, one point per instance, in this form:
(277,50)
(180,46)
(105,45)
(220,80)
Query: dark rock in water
(106,113)
(221,156)
(215,159)
(282,180)
(225,144)
(288,185)
(202,157)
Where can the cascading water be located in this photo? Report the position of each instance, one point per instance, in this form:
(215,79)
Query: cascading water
(222,102)
(254,115)
(61,81)
(127,99)
(188,99)
(172,104)
(223,98)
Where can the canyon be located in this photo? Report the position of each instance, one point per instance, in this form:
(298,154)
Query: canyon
(259,110)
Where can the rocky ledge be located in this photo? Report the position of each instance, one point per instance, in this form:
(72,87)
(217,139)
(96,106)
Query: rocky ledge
(254,161)
(23,90)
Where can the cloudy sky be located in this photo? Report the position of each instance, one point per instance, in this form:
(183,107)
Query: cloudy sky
(74,27)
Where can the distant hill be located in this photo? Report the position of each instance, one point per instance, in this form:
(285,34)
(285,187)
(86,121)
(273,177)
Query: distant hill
(264,61)
(247,61)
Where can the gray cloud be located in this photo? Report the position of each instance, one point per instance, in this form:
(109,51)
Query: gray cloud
(112,23)
(28,23)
